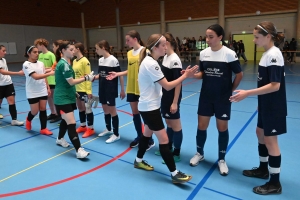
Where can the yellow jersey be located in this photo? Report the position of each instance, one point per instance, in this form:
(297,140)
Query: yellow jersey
(132,73)
(82,67)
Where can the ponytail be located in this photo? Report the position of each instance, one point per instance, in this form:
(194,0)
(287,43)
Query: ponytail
(142,55)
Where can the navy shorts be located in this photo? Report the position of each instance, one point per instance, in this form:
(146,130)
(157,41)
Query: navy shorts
(132,98)
(107,99)
(165,112)
(82,96)
(7,90)
(153,119)
(67,108)
(221,110)
(37,99)
(271,124)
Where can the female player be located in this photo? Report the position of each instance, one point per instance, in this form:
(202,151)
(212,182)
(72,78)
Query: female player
(271,120)
(7,89)
(108,90)
(217,62)
(37,88)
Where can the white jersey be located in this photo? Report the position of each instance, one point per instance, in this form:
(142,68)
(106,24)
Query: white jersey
(4,79)
(34,88)
(150,90)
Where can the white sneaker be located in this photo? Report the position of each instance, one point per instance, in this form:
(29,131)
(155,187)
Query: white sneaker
(62,142)
(1,116)
(105,132)
(196,159)
(16,123)
(81,153)
(223,168)
(112,138)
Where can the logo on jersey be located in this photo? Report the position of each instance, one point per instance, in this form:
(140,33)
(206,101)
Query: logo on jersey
(274,131)
(206,56)
(66,67)
(235,56)
(223,151)
(176,64)
(132,63)
(26,67)
(157,68)
(107,102)
(167,115)
(258,78)
(273,60)
(117,64)
(224,115)
(88,63)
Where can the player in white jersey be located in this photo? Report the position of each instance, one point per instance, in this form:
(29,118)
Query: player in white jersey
(7,89)
(272,107)
(37,88)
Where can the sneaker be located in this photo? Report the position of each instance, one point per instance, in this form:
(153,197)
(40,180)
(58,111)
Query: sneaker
(157,153)
(150,145)
(88,133)
(81,129)
(28,125)
(1,116)
(51,116)
(143,165)
(45,131)
(223,167)
(16,123)
(257,173)
(268,188)
(181,177)
(55,119)
(196,159)
(176,159)
(135,142)
(62,142)
(105,132)
(112,138)
(81,153)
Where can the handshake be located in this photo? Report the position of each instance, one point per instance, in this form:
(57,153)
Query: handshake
(90,77)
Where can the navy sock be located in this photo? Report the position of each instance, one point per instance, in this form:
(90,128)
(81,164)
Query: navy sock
(82,116)
(200,139)
(74,136)
(43,119)
(167,157)
(107,118)
(263,156)
(138,124)
(30,116)
(143,146)
(63,127)
(170,136)
(274,162)
(177,142)
(223,143)
(115,123)
(13,111)
(90,119)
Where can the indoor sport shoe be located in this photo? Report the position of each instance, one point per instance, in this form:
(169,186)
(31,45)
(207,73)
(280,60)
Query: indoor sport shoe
(112,138)
(181,177)
(150,144)
(196,159)
(105,132)
(268,188)
(51,116)
(257,173)
(81,153)
(135,142)
(176,159)
(143,165)
(88,133)
(223,167)
(45,131)
(81,129)
(1,116)
(28,125)
(16,123)
(62,142)
(56,119)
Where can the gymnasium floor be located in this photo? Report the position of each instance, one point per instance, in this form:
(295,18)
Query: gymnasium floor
(34,167)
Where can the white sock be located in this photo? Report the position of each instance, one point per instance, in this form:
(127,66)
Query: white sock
(174,173)
(91,127)
(83,124)
(138,159)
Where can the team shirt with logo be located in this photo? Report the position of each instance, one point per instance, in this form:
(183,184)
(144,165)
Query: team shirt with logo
(107,65)
(64,93)
(82,67)
(171,68)
(150,90)
(48,59)
(4,79)
(34,88)
(132,86)
(217,68)
(271,69)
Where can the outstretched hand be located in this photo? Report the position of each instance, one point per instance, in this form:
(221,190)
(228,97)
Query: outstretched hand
(189,72)
(239,96)
(90,77)
(111,75)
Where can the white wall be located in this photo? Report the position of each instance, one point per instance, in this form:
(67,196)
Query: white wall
(25,35)
(96,35)
(144,30)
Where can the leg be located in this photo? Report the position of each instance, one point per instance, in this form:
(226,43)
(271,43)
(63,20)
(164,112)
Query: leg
(13,111)
(136,118)
(34,109)
(176,129)
(43,117)
(222,126)
(115,122)
(107,118)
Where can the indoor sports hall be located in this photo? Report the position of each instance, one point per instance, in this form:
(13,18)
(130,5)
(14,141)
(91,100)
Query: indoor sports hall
(33,166)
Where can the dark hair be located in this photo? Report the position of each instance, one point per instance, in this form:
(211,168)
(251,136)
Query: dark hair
(28,50)
(267,27)
(80,46)
(62,45)
(135,34)
(169,37)
(104,43)
(151,42)
(41,41)
(2,46)
(57,42)
(219,31)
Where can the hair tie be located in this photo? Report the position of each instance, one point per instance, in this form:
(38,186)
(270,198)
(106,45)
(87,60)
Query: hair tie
(156,42)
(30,48)
(148,52)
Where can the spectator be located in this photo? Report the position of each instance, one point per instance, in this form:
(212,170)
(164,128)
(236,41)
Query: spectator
(293,47)
(242,50)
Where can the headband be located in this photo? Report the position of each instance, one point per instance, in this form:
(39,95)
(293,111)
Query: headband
(156,42)
(30,48)
(262,28)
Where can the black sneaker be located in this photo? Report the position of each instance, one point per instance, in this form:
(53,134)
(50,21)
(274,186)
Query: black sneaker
(150,144)
(268,188)
(181,177)
(257,173)
(51,116)
(56,119)
(135,142)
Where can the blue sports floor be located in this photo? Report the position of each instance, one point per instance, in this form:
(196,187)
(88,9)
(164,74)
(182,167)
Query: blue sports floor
(34,167)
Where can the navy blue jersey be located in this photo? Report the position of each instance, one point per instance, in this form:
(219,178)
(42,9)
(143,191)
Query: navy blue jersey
(107,65)
(271,69)
(217,68)
(171,68)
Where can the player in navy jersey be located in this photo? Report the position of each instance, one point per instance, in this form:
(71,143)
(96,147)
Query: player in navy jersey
(170,101)
(217,62)
(108,90)
(272,107)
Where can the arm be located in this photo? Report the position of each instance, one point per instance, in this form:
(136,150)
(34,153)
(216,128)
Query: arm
(87,70)
(198,75)
(122,94)
(237,80)
(37,76)
(4,72)
(72,81)
(113,75)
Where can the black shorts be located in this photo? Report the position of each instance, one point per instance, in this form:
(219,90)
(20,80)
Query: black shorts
(271,124)
(153,119)
(7,90)
(37,99)
(52,87)
(67,108)
(82,96)
(221,110)
(132,98)
(165,112)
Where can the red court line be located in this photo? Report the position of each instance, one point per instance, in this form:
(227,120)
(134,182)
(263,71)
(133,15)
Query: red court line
(67,179)
(188,83)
